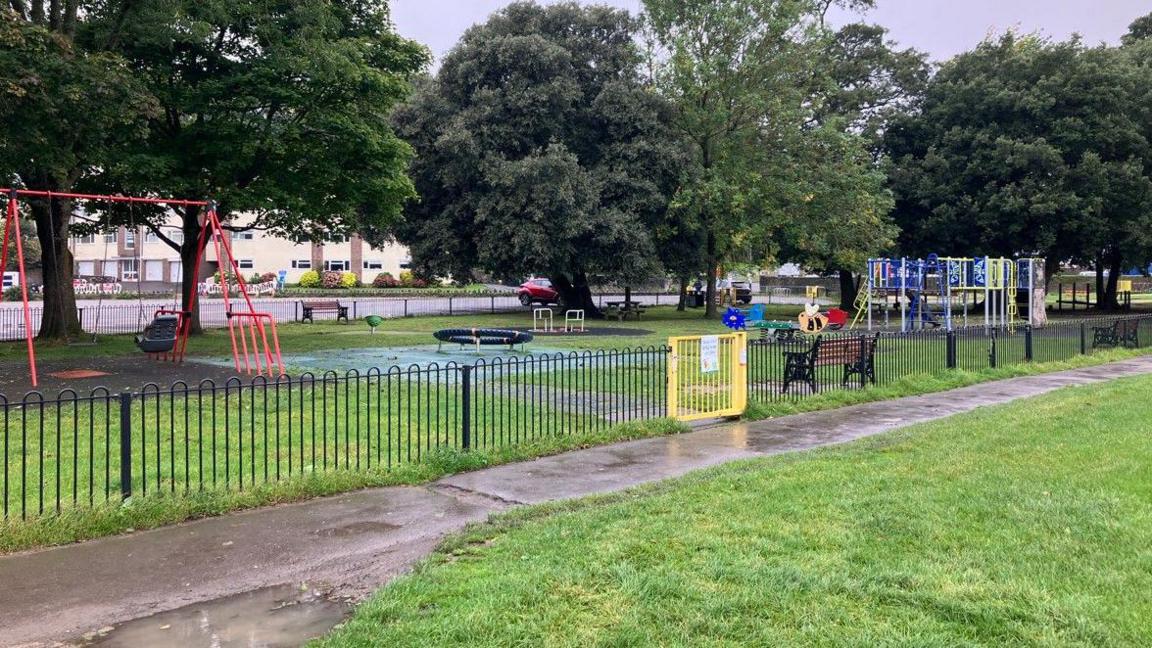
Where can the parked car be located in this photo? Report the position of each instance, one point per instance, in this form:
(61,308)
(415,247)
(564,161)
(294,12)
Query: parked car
(743,289)
(537,291)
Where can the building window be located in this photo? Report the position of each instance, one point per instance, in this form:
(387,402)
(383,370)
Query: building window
(129,239)
(302,264)
(338,266)
(244,264)
(150,237)
(109,237)
(87,238)
(244,236)
(373,265)
(129,270)
(177,237)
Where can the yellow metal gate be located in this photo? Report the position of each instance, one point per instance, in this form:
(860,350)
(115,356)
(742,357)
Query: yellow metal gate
(707,376)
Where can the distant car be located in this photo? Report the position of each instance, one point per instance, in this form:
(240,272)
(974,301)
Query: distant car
(743,289)
(537,291)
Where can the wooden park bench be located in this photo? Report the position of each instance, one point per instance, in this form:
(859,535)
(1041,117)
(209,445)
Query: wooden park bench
(1122,332)
(856,354)
(307,308)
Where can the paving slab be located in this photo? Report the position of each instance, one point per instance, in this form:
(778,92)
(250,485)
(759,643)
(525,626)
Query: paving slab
(350,544)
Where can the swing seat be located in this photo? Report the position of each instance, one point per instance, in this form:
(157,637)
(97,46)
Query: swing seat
(159,336)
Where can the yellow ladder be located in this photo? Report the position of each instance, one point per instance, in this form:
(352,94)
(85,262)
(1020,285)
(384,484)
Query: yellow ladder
(861,303)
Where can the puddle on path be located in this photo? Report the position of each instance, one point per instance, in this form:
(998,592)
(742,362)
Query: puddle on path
(274,617)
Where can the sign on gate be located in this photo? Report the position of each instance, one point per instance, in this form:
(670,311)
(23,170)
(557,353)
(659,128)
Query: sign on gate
(707,376)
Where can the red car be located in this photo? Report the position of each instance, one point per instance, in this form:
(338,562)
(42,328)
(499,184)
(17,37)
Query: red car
(537,291)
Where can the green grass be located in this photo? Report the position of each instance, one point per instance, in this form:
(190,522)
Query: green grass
(1024,524)
(163,508)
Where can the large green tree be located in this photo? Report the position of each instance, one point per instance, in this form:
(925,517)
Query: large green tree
(1026,147)
(67,102)
(863,81)
(540,151)
(744,76)
(277,110)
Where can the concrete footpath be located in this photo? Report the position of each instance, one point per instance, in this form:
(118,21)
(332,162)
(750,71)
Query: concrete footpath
(346,546)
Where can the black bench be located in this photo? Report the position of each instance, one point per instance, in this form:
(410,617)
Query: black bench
(307,308)
(856,354)
(1122,332)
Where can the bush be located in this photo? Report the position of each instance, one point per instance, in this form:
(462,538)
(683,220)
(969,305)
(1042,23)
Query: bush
(330,279)
(310,279)
(385,280)
(256,278)
(269,276)
(13,294)
(418,283)
(406,278)
(349,280)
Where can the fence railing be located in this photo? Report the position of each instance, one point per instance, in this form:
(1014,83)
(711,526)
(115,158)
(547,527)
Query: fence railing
(82,450)
(75,451)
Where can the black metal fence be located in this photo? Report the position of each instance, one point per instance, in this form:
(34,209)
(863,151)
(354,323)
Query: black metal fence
(76,451)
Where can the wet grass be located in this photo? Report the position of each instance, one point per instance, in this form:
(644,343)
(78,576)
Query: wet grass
(1021,524)
(164,507)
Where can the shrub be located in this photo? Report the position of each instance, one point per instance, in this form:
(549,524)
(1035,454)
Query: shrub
(13,293)
(406,278)
(330,279)
(349,280)
(310,279)
(385,280)
(256,278)
(418,283)
(268,276)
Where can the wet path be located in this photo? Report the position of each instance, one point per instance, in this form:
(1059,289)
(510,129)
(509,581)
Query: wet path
(303,556)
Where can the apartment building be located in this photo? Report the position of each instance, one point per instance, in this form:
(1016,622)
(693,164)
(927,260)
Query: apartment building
(139,255)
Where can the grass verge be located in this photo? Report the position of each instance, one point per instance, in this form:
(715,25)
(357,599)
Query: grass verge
(1020,524)
(158,510)
(916,385)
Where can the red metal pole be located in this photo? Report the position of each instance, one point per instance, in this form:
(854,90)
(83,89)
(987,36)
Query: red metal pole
(14,221)
(7,226)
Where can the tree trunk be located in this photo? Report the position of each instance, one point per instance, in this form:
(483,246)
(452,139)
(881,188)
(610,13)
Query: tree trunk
(849,288)
(682,303)
(1099,281)
(1108,299)
(710,262)
(59,320)
(627,294)
(188,253)
(575,294)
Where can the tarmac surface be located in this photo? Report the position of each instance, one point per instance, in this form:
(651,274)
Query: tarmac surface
(270,576)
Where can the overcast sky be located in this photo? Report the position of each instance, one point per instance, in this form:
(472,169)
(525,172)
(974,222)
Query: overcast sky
(940,27)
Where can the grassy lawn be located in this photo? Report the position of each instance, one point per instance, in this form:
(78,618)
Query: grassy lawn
(1024,524)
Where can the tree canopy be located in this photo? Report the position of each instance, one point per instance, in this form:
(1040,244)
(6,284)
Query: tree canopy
(539,150)
(1025,147)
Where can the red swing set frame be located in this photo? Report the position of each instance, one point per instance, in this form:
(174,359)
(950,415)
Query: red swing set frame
(255,343)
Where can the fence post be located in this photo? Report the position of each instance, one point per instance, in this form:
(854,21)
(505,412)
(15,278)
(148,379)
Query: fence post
(354,316)
(1028,342)
(449,304)
(125,445)
(992,351)
(493,298)
(296,311)
(1083,340)
(405,307)
(466,406)
(80,316)
(950,354)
